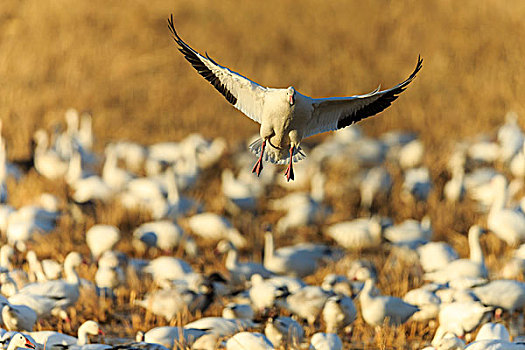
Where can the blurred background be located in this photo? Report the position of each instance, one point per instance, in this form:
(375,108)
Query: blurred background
(117,59)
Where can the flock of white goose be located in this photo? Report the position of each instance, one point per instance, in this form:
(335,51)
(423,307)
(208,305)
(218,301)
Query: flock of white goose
(461,295)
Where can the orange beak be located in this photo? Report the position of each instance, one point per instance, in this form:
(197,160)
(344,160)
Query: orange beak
(101,332)
(29,345)
(291,100)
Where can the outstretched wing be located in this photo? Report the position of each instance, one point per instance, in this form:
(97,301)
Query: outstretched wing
(338,112)
(244,94)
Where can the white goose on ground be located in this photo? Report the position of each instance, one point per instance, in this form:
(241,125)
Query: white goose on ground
(167,268)
(299,260)
(338,313)
(376,309)
(410,232)
(240,272)
(101,238)
(358,234)
(474,267)
(48,162)
(436,255)
(20,341)
(307,302)
(284,331)
(263,293)
(287,116)
(427,302)
(64,292)
(171,336)
(462,317)
(170,302)
(233,310)
(220,326)
(507,224)
(18,317)
(166,235)
(325,341)
(493,331)
(377,181)
(52,338)
(249,341)
(214,227)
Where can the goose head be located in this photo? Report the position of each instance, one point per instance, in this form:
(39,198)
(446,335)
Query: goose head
(20,341)
(224,246)
(290,94)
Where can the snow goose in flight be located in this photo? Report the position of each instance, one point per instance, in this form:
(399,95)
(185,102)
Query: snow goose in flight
(287,116)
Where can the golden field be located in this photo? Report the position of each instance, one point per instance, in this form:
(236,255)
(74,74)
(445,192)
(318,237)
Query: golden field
(118,60)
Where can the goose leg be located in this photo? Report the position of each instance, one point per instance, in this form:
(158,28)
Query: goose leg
(289,170)
(257,168)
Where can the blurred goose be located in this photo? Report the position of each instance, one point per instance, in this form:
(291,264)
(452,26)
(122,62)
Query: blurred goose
(510,137)
(454,190)
(284,331)
(473,267)
(417,184)
(170,302)
(446,341)
(517,165)
(506,294)
(302,209)
(172,336)
(299,260)
(166,268)
(338,313)
(427,302)
(507,224)
(484,151)
(243,311)
(436,255)
(307,302)
(411,154)
(175,204)
(325,341)
(64,292)
(462,317)
(42,305)
(44,270)
(86,187)
(376,309)
(20,341)
(358,234)
(286,116)
(410,232)
(30,219)
(166,235)
(220,326)
(377,181)
(101,238)
(109,274)
(240,194)
(113,176)
(214,227)
(52,339)
(18,317)
(131,153)
(249,341)
(493,331)
(48,162)
(263,293)
(240,272)
(337,284)
(495,344)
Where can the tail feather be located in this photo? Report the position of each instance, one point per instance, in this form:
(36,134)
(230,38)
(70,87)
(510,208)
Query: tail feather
(270,157)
